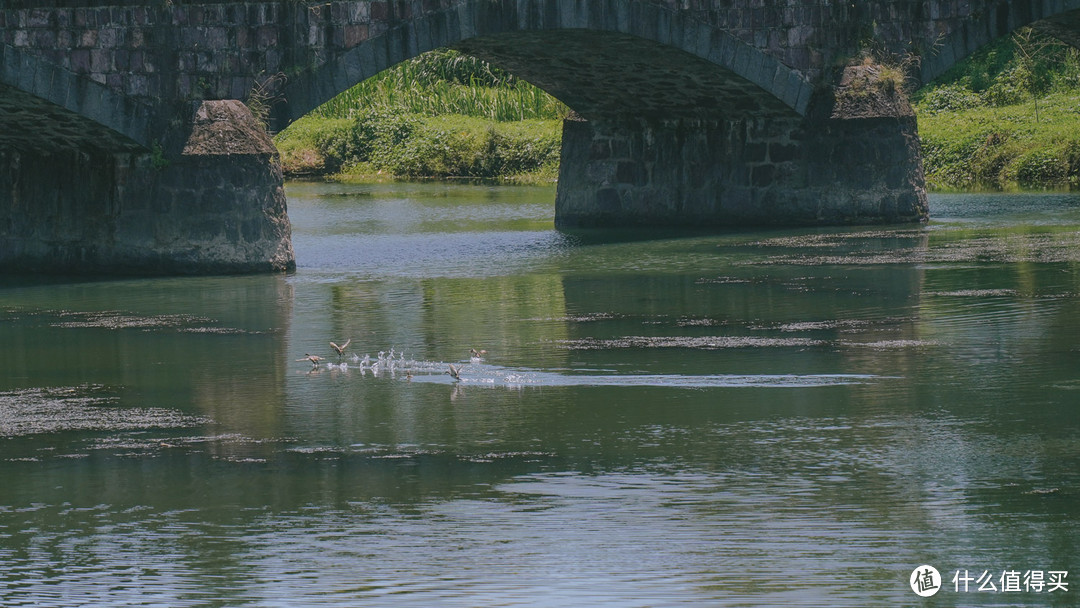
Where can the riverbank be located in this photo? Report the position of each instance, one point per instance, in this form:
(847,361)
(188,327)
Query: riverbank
(1033,145)
(382,144)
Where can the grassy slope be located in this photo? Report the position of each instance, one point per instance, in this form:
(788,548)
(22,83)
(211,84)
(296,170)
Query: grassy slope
(1005,147)
(1007,118)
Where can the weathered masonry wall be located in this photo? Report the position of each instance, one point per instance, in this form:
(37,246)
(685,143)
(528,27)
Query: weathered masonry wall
(748,172)
(217,49)
(218,208)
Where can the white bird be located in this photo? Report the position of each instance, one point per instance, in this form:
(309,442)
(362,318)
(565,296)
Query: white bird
(454,372)
(341,349)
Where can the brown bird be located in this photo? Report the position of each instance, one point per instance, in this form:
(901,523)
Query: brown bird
(313,358)
(341,349)
(477,353)
(454,372)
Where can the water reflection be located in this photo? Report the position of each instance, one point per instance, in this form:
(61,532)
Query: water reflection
(789,417)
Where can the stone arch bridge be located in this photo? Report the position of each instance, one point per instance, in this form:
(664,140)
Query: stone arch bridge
(125,144)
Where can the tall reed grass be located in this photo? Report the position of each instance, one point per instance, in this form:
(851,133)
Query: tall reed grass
(447,82)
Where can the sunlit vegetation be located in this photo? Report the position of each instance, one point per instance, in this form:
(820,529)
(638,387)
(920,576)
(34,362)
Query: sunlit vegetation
(442,114)
(1007,118)
(447,82)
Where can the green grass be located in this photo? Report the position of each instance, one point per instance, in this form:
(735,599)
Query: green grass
(521,101)
(1004,148)
(441,115)
(380,144)
(447,82)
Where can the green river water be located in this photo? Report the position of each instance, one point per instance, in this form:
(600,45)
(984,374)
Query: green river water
(755,418)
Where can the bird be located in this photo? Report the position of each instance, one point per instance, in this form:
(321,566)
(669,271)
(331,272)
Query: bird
(313,358)
(454,372)
(341,349)
(476,354)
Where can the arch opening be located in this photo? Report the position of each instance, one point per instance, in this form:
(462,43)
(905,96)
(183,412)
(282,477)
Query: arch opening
(566,51)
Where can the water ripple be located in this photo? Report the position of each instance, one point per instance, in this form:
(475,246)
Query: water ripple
(50,410)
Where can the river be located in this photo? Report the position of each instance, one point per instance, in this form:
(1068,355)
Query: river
(780,417)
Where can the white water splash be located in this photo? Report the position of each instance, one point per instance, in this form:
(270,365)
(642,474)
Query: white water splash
(478,373)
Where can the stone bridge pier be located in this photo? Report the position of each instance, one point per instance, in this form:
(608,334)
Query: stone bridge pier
(750,172)
(79,198)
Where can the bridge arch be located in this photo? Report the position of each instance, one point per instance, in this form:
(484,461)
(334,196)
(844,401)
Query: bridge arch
(47,102)
(564,46)
(1059,18)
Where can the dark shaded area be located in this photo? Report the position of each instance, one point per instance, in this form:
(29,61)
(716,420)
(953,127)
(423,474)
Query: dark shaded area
(611,75)
(28,122)
(1065,27)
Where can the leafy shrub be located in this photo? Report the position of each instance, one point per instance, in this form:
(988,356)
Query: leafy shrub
(312,146)
(460,146)
(379,129)
(1042,168)
(1011,87)
(948,98)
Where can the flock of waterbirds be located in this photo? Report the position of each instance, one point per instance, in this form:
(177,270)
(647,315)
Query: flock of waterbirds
(395,364)
(392,362)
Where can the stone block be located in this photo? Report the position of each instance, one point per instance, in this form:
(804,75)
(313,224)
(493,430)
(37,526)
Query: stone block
(608,201)
(40,17)
(464,23)
(569,14)
(741,62)
(359,12)
(762,175)
(661,31)
(396,46)
(25,72)
(216,37)
(782,153)
(422,36)
(410,43)
(438,29)
(354,34)
(632,173)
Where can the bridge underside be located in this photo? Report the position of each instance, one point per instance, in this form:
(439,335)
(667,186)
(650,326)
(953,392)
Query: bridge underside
(604,75)
(28,122)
